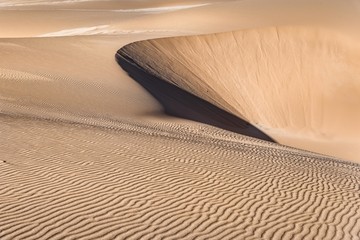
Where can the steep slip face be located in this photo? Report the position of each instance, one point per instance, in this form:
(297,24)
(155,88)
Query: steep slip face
(292,82)
(180,103)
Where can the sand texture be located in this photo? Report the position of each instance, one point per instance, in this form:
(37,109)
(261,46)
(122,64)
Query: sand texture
(70,181)
(162,119)
(301,85)
(180,103)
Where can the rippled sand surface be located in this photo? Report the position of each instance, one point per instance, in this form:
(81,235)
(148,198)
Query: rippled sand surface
(87,153)
(163,181)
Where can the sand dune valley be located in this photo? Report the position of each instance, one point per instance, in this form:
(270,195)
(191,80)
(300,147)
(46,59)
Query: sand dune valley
(179,119)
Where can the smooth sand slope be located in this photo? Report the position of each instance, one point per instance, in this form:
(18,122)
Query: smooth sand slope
(301,85)
(87,153)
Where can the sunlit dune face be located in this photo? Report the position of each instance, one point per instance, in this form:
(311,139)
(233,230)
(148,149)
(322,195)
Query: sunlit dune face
(295,81)
(290,71)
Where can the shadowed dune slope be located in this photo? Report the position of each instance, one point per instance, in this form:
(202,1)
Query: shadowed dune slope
(180,103)
(298,84)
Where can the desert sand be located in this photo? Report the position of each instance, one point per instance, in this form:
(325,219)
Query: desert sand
(89,152)
(300,85)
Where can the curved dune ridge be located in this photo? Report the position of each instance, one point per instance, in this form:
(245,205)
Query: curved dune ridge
(100,183)
(297,84)
(180,103)
(88,153)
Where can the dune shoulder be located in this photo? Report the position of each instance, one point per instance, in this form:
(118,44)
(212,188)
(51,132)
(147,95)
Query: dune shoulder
(299,82)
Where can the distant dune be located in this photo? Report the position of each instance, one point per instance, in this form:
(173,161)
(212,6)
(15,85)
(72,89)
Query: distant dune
(300,85)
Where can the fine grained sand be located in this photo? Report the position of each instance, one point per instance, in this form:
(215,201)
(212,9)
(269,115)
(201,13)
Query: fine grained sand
(87,153)
(164,181)
(301,85)
(180,103)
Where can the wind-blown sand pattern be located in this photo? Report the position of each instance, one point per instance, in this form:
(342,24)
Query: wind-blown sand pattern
(99,183)
(87,153)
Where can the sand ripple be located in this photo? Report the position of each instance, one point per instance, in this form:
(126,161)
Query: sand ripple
(126,183)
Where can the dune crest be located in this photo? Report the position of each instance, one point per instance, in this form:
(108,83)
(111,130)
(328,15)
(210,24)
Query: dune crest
(180,103)
(292,82)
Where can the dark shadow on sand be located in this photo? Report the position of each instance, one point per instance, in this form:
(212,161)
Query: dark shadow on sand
(180,103)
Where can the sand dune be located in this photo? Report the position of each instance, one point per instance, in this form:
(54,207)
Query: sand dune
(293,82)
(101,5)
(45,76)
(87,153)
(178,102)
(100,183)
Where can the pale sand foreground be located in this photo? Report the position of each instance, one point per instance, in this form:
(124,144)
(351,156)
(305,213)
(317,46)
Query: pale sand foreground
(164,181)
(86,153)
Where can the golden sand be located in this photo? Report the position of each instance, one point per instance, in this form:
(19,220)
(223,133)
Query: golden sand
(87,153)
